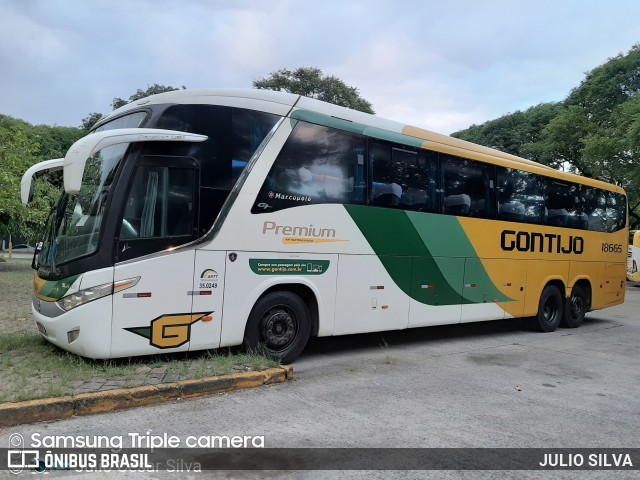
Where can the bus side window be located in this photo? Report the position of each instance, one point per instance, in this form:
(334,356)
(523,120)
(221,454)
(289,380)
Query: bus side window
(595,202)
(402,176)
(143,210)
(160,203)
(561,203)
(161,206)
(468,187)
(616,211)
(317,164)
(520,196)
(385,189)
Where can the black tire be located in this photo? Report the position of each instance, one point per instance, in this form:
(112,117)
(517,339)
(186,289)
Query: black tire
(549,309)
(278,326)
(575,307)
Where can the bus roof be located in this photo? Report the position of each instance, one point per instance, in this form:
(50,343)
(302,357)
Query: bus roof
(287,103)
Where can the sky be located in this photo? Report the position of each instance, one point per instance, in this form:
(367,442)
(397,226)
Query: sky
(439,65)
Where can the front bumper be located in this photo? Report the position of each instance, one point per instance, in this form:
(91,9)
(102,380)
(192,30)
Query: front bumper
(93,320)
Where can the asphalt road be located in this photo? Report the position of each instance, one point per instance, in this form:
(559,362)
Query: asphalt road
(492,384)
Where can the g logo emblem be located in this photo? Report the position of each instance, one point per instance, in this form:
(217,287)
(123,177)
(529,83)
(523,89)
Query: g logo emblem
(173,331)
(169,331)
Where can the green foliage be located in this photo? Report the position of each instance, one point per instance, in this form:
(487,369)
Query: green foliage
(22,145)
(55,141)
(516,133)
(151,90)
(89,121)
(594,132)
(310,82)
(17,152)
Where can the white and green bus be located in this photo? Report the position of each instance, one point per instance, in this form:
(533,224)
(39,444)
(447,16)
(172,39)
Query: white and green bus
(200,219)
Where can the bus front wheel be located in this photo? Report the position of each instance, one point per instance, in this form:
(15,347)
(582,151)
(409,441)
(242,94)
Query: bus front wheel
(549,309)
(278,326)
(575,307)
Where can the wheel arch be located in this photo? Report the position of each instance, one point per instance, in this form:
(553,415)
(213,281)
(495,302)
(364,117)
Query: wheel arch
(585,283)
(558,283)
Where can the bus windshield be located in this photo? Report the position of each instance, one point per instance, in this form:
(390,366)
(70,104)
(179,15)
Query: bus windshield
(74,229)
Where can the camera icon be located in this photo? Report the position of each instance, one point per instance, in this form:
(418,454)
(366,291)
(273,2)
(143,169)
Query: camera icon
(18,458)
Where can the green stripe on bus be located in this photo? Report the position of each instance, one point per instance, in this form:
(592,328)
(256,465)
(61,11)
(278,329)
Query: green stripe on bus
(395,240)
(425,255)
(354,127)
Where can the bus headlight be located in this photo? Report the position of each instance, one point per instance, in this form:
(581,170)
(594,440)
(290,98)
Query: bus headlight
(85,296)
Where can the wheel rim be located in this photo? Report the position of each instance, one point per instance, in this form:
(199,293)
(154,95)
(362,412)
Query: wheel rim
(550,311)
(577,306)
(278,328)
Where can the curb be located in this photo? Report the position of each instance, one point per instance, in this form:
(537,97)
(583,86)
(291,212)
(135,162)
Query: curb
(52,409)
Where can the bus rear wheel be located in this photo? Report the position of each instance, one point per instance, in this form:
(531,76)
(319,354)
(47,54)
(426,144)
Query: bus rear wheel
(278,326)
(575,307)
(549,309)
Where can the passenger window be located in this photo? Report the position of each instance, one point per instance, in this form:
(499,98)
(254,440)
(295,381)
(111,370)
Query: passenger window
(594,204)
(562,204)
(520,196)
(467,187)
(316,165)
(402,176)
(616,211)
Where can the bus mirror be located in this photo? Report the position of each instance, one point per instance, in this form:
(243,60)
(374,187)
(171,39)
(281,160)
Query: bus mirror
(28,182)
(77,156)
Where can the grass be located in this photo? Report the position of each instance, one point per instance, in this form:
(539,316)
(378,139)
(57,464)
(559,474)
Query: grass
(31,367)
(16,285)
(389,359)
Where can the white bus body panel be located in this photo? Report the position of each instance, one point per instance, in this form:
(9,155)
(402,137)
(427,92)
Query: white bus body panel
(93,319)
(168,278)
(368,300)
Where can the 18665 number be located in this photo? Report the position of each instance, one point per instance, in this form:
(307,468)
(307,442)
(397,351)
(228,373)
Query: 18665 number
(611,248)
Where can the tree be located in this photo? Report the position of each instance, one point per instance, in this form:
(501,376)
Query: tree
(151,90)
(90,120)
(19,149)
(310,82)
(516,133)
(54,141)
(594,132)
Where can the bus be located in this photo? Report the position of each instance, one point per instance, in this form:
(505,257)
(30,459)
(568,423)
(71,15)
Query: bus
(200,219)
(633,259)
